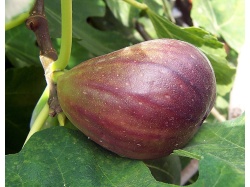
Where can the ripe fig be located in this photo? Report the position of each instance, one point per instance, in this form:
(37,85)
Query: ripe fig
(143,101)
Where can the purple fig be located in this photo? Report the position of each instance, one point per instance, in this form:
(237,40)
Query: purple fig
(143,101)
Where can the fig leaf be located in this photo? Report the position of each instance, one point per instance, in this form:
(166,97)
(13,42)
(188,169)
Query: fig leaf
(59,156)
(200,38)
(221,150)
(20,47)
(123,11)
(96,41)
(222,18)
(62,157)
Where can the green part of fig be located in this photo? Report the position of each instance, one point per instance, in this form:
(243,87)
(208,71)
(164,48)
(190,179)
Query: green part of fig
(143,101)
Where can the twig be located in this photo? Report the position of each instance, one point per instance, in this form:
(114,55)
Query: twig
(37,22)
(140,28)
(217,115)
(189,171)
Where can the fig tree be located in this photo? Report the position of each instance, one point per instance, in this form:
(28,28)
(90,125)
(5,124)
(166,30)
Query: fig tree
(143,101)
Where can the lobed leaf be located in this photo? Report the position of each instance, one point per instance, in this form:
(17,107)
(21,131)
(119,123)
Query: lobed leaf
(201,39)
(96,41)
(221,151)
(59,156)
(20,47)
(166,169)
(62,157)
(222,18)
(123,12)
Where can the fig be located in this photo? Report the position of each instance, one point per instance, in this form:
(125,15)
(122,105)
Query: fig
(143,101)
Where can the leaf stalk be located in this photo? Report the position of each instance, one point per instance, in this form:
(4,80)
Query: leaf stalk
(38,123)
(66,38)
(17,21)
(136,4)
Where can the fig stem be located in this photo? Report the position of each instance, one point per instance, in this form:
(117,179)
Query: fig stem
(59,65)
(56,75)
(66,37)
(61,118)
(38,123)
(136,4)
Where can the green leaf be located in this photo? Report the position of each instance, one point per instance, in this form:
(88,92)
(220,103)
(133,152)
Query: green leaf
(201,39)
(155,5)
(221,150)
(16,11)
(166,169)
(62,157)
(95,41)
(20,47)
(23,86)
(123,12)
(223,18)
(59,156)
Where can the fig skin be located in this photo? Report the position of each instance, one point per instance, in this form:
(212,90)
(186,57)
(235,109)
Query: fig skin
(143,101)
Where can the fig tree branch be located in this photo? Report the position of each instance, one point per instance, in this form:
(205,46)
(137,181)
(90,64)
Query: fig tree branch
(38,23)
(140,28)
(189,171)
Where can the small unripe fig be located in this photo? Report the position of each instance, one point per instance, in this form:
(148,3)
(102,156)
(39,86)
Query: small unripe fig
(143,101)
